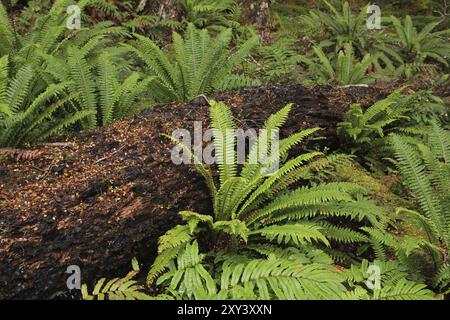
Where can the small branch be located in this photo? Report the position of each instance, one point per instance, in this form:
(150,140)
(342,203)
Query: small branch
(355,85)
(112,154)
(47,171)
(57,144)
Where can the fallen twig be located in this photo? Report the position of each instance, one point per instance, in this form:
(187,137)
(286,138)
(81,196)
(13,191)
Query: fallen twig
(107,157)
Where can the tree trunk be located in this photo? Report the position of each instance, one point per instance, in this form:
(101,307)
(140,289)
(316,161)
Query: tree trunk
(256,12)
(166,9)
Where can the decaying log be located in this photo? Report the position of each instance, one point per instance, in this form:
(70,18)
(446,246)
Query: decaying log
(110,193)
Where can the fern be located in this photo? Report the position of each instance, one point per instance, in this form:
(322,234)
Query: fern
(343,26)
(81,75)
(426,174)
(117,288)
(343,70)
(410,115)
(211,14)
(29,112)
(201,65)
(415,177)
(394,282)
(421,45)
(7,36)
(250,208)
(411,52)
(280,60)
(282,279)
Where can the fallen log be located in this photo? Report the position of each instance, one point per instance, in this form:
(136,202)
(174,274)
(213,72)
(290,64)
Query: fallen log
(107,195)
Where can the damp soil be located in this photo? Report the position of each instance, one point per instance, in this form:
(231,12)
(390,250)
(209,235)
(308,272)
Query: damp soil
(105,196)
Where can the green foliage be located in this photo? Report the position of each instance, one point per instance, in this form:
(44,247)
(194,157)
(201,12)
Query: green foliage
(287,19)
(426,173)
(395,282)
(201,64)
(364,132)
(361,129)
(242,278)
(425,169)
(272,234)
(117,289)
(280,61)
(50,35)
(97,79)
(29,111)
(343,70)
(254,210)
(7,37)
(398,49)
(342,26)
(52,78)
(214,15)
(411,51)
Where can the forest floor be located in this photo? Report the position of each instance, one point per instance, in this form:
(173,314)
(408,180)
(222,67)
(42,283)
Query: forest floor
(106,195)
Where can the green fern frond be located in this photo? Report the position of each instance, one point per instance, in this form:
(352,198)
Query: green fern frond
(107,84)
(224,140)
(175,237)
(6,32)
(404,290)
(414,173)
(283,279)
(81,75)
(298,233)
(19,87)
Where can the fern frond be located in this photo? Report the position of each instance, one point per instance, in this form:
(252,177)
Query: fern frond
(404,290)
(283,279)
(224,140)
(415,178)
(175,237)
(19,87)
(107,84)
(6,32)
(298,233)
(81,75)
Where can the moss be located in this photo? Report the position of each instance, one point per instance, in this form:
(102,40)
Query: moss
(381,189)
